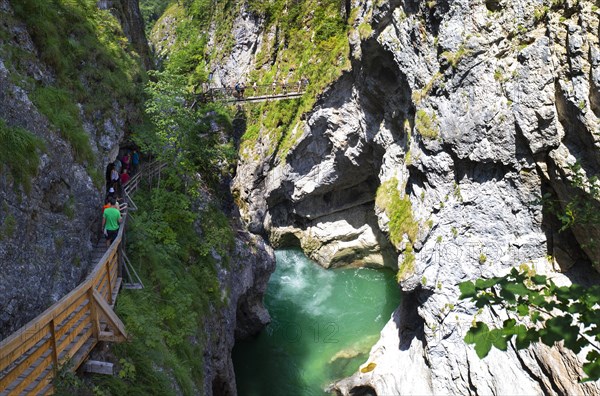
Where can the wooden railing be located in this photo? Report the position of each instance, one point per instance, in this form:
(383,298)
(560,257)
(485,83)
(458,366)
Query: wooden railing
(254,93)
(66,332)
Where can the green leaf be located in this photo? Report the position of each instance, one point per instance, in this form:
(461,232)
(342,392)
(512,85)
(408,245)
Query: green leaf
(567,302)
(479,335)
(518,288)
(592,369)
(482,347)
(508,295)
(523,309)
(467,290)
(537,299)
(509,325)
(483,284)
(525,336)
(559,328)
(576,308)
(592,295)
(498,339)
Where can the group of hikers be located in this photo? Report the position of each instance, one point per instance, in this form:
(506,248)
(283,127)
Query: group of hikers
(118,174)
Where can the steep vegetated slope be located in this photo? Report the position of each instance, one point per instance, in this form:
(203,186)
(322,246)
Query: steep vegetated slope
(450,139)
(71,90)
(70,87)
(204,275)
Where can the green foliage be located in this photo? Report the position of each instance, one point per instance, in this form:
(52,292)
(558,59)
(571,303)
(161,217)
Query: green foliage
(183,135)
(97,177)
(454,232)
(365,30)
(457,193)
(329,27)
(454,58)
(311,43)
(557,4)
(498,75)
(19,151)
(482,258)
(399,211)
(540,13)
(152,10)
(425,125)
(57,105)
(189,56)
(582,210)
(95,67)
(67,383)
(8,227)
(418,96)
(407,266)
(554,313)
(277,120)
(86,48)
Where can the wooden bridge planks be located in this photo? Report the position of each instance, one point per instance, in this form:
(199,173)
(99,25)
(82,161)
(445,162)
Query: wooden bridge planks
(266,98)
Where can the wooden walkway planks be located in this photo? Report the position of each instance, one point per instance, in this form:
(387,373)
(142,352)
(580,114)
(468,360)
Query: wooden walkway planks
(253,94)
(263,98)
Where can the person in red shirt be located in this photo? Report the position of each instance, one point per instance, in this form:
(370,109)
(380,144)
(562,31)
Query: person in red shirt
(124,177)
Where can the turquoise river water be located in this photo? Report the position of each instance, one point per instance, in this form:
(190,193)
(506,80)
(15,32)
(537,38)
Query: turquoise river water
(324,323)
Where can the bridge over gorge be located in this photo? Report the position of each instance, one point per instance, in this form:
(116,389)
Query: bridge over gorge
(254,93)
(70,329)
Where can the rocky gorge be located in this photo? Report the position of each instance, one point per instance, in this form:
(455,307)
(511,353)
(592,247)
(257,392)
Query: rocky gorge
(472,112)
(454,140)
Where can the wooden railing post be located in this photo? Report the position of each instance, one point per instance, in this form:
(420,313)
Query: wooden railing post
(110,287)
(120,257)
(53,343)
(93,313)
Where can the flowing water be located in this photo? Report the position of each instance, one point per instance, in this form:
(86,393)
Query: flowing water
(324,323)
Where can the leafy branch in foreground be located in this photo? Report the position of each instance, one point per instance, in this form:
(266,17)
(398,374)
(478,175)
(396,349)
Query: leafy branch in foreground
(552,313)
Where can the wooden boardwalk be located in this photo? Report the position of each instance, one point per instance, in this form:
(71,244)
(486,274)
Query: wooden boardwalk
(253,94)
(68,331)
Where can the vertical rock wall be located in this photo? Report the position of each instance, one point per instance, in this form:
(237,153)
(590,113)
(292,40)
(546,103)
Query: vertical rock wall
(244,315)
(129,15)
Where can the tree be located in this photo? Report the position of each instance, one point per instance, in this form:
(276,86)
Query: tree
(183,134)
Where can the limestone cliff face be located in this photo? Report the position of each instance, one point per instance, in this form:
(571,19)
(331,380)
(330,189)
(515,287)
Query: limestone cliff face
(48,232)
(476,109)
(244,314)
(130,17)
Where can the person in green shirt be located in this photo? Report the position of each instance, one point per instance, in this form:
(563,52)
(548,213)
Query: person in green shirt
(110,221)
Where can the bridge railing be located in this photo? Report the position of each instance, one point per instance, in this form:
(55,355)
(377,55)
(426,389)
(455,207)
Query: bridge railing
(70,328)
(253,91)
